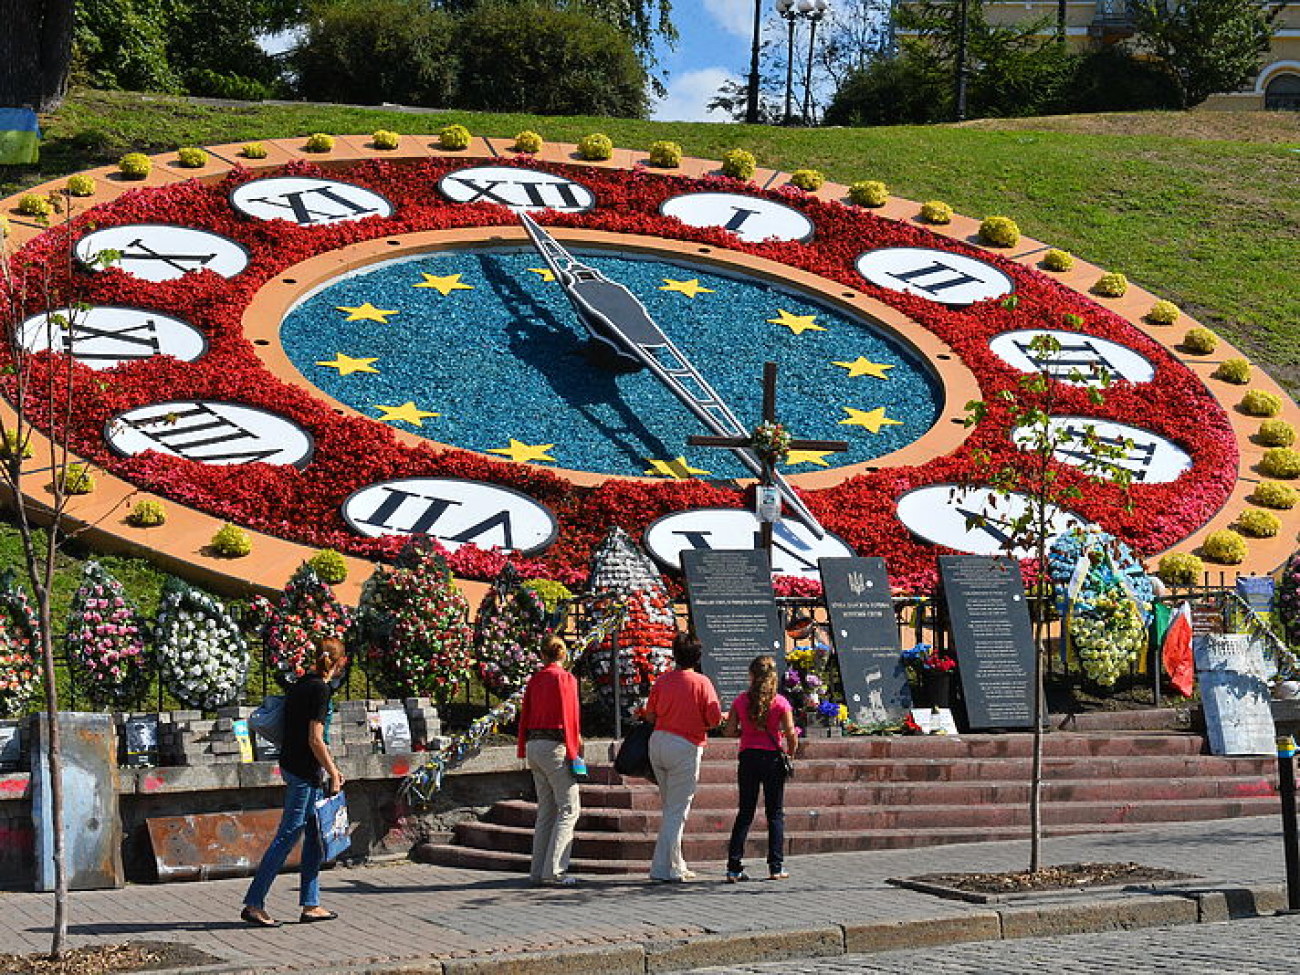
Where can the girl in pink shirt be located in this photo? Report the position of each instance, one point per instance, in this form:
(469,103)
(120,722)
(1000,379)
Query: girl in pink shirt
(761,717)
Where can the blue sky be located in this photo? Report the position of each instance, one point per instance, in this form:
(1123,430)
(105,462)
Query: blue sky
(714,46)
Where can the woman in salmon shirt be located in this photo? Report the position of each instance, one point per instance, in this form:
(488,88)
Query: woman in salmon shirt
(550,737)
(684,706)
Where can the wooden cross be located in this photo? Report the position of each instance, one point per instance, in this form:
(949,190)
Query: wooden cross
(743,442)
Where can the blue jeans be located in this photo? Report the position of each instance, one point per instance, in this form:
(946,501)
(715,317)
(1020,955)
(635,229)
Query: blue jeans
(299,817)
(759,767)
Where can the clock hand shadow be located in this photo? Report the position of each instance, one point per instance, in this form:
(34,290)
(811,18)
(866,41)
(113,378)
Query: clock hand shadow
(539,335)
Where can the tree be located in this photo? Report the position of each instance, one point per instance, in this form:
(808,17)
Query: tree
(40,387)
(1030,485)
(373,51)
(1205,45)
(532,57)
(35,52)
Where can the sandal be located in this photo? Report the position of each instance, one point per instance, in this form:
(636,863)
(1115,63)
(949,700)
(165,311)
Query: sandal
(305,918)
(258,918)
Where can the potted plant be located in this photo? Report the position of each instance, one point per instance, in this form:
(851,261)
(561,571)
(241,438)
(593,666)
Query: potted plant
(930,674)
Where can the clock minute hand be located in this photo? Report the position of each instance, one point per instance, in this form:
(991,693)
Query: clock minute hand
(616,318)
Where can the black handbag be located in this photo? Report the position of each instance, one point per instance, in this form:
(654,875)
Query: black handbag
(787,763)
(633,756)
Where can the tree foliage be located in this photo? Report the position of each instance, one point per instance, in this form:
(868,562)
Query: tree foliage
(1016,70)
(535,58)
(373,51)
(1205,45)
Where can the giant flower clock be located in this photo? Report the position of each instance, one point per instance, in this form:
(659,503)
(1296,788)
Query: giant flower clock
(346,350)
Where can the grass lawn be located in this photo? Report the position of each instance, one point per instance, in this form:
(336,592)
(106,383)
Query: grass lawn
(1202,208)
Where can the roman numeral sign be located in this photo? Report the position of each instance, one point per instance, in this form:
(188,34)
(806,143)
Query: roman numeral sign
(795,550)
(519,189)
(163,252)
(308,201)
(1148,457)
(748,217)
(103,336)
(943,514)
(1088,357)
(949,279)
(453,511)
(210,433)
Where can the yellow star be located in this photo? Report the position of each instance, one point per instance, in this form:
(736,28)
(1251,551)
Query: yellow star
(676,468)
(817,457)
(407,412)
(522,453)
(796,323)
(689,288)
(873,420)
(865,367)
(545,273)
(444,285)
(367,313)
(346,365)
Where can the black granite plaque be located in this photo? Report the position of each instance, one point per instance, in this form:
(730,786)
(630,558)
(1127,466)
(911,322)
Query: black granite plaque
(865,635)
(734,614)
(993,637)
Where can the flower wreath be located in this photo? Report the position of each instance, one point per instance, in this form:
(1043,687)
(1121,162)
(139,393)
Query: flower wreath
(1288,599)
(771,441)
(1104,593)
(304,613)
(202,655)
(19,681)
(1174,404)
(105,641)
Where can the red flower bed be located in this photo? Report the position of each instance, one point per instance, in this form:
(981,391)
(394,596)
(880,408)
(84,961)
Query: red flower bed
(351,453)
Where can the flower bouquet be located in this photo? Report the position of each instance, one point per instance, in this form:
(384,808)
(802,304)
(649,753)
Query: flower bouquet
(807,678)
(105,641)
(202,656)
(771,441)
(929,672)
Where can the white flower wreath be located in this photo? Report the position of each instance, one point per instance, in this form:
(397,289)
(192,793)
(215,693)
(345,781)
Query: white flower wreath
(202,656)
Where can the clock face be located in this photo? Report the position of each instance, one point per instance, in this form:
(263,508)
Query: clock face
(346,358)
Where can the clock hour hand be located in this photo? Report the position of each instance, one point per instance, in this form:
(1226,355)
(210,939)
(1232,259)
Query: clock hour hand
(619,322)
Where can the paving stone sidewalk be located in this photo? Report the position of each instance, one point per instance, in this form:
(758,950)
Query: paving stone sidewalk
(405,917)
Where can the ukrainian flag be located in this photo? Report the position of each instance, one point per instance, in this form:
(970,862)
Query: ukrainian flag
(20,136)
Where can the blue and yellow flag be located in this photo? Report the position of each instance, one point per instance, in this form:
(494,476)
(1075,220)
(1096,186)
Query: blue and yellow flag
(20,136)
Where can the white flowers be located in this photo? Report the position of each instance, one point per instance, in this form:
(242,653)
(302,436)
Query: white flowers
(202,656)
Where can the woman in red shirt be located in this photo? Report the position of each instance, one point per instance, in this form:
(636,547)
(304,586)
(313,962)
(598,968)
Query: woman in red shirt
(684,706)
(761,717)
(550,737)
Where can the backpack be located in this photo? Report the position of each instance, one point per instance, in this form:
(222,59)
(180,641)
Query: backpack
(267,719)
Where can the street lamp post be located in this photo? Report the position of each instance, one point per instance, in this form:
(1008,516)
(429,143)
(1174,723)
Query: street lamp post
(813,11)
(959,97)
(788,10)
(751,97)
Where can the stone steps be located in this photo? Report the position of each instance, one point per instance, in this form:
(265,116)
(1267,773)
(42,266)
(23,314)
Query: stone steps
(887,793)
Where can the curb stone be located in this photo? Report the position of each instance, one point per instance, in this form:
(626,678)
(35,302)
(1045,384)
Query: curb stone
(892,935)
(743,947)
(653,957)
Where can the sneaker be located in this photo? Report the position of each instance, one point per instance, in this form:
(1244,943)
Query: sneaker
(778,875)
(688,875)
(736,876)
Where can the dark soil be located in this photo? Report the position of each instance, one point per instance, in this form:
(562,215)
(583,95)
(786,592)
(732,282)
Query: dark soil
(136,956)
(1067,876)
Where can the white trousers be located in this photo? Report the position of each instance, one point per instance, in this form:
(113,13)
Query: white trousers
(558,806)
(676,763)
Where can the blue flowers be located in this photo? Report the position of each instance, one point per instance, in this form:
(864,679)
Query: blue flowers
(507,360)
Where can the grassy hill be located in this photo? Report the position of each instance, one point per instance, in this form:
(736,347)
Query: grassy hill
(1203,208)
